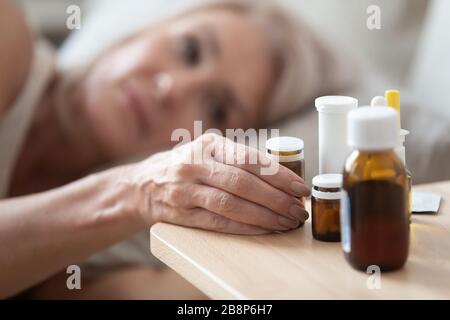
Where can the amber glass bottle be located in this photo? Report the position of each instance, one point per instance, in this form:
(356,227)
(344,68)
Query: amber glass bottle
(289,152)
(374,210)
(325,207)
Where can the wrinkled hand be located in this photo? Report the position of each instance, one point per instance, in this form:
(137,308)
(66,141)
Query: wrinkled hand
(214,195)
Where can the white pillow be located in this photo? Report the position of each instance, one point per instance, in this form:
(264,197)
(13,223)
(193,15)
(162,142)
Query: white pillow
(430,79)
(390,50)
(109,21)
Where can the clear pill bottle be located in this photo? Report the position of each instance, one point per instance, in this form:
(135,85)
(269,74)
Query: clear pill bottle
(325,205)
(289,152)
(374,210)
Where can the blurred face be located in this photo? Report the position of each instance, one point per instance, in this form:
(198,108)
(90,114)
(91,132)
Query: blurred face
(213,66)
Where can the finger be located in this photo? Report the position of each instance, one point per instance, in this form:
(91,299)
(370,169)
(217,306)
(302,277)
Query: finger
(250,187)
(207,220)
(240,210)
(254,161)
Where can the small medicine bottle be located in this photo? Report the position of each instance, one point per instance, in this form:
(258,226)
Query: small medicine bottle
(401,153)
(289,152)
(374,211)
(325,205)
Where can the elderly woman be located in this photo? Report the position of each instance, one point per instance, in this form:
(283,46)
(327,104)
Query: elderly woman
(230,64)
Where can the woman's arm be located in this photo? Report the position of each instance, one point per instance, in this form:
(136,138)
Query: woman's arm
(15,52)
(43,233)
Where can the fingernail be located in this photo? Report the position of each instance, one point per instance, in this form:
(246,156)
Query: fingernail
(288,223)
(296,212)
(299,188)
(298,202)
(306,215)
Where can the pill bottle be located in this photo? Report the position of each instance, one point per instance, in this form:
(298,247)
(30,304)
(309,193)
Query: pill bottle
(392,98)
(289,152)
(325,207)
(401,153)
(374,213)
(333,148)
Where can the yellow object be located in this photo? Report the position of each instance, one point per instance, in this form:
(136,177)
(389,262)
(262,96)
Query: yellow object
(393,99)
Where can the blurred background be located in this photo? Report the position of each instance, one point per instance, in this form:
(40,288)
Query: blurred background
(49,16)
(389,50)
(410,52)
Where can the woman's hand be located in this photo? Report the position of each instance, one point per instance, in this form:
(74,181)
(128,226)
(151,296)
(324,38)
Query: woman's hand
(72,222)
(214,194)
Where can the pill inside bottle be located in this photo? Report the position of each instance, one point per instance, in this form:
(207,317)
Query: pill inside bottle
(325,204)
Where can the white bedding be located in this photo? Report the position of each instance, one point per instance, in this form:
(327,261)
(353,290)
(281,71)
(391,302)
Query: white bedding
(387,53)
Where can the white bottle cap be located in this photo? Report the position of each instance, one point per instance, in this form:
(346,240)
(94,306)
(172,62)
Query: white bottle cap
(336,104)
(332,180)
(403,134)
(373,129)
(378,101)
(400,150)
(327,181)
(285,144)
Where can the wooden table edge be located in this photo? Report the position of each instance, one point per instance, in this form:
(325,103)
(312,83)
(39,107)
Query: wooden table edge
(204,279)
(190,270)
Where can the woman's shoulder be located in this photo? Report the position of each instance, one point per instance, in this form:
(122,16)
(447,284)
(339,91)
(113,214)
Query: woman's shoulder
(16,46)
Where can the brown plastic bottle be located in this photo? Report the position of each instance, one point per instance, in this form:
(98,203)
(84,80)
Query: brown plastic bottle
(374,206)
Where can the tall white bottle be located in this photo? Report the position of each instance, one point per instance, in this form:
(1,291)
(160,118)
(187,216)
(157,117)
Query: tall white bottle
(333,148)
